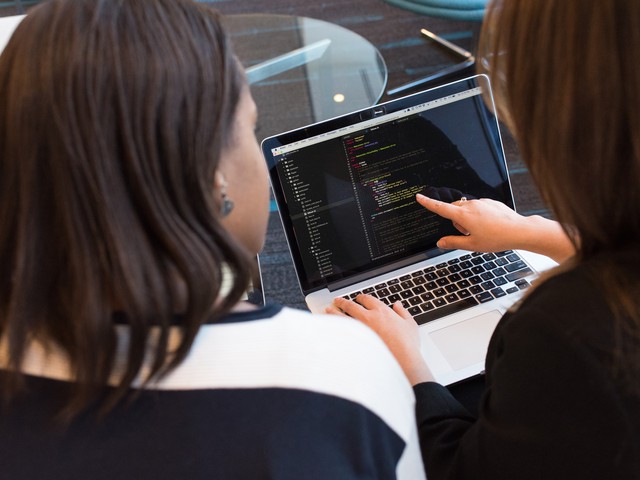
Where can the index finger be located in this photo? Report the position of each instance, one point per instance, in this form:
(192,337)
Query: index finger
(443,209)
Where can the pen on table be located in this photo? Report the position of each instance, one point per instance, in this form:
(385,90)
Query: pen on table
(446,43)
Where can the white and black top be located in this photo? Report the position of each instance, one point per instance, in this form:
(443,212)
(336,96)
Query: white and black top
(273,393)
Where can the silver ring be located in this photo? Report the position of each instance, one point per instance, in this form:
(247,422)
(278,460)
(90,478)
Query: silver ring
(462,199)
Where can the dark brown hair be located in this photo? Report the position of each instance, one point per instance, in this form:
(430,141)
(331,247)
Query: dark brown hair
(567,81)
(113,117)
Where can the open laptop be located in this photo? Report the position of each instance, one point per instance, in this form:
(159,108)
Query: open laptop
(345,189)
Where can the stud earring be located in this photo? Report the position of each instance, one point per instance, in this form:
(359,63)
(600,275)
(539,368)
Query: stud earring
(227,203)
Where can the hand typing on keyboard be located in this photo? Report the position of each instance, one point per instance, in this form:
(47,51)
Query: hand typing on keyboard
(395,326)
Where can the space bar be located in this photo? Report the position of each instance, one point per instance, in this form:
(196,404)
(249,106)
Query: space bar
(445,310)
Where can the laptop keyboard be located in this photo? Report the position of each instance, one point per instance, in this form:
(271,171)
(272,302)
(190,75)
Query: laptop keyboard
(456,285)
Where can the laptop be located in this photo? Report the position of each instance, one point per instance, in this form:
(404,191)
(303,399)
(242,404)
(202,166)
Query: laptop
(345,190)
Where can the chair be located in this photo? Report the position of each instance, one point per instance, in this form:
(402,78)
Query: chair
(466,10)
(462,10)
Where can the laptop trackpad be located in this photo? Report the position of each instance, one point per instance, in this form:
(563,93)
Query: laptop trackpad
(465,343)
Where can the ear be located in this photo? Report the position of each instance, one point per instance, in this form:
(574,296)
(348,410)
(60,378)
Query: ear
(219,180)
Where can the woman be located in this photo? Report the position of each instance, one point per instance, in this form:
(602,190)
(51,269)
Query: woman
(562,397)
(131,185)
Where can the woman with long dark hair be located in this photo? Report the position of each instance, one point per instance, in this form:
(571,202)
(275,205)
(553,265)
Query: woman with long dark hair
(132,197)
(562,396)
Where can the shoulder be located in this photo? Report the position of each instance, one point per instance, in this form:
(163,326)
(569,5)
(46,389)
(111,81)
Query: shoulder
(294,349)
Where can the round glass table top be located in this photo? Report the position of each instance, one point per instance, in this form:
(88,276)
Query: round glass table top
(303,71)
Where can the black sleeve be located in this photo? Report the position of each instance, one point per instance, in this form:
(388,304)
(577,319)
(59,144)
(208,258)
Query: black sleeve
(549,411)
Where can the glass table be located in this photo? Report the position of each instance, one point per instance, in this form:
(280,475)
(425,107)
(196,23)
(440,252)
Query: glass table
(303,70)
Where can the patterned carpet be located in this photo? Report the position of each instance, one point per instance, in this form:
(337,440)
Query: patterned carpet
(395,33)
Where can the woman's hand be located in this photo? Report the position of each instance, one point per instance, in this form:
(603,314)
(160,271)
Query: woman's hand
(395,326)
(490,226)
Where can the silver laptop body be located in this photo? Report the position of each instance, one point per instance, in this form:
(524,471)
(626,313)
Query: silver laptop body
(345,189)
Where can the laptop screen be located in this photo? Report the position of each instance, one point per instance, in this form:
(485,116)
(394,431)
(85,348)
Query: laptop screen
(346,187)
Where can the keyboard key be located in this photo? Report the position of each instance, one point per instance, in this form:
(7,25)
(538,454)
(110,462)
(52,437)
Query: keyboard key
(498,272)
(476,289)
(413,301)
(431,276)
(415,310)
(393,298)
(453,261)
(393,282)
(489,266)
(464,284)
(488,285)
(466,273)
(477,270)
(454,278)
(477,261)
(498,292)
(431,286)
(512,277)
(404,278)
(384,292)
(445,310)
(368,290)
(475,280)
(454,268)
(395,288)
(464,293)
(466,264)
(443,272)
(428,296)
(513,257)
(443,281)
(441,265)
(407,284)
(522,284)
(513,290)
(418,290)
(451,288)
(487,276)
(406,294)
(417,274)
(504,254)
(501,262)
(427,306)
(489,256)
(439,292)
(380,286)
(465,257)
(419,280)
(484,297)
(439,302)
(512,267)
(452,297)
(476,254)
(429,269)
(499,281)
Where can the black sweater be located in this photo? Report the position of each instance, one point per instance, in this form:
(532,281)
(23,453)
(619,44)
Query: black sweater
(553,407)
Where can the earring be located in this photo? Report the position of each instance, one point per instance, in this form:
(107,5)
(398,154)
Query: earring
(227,203)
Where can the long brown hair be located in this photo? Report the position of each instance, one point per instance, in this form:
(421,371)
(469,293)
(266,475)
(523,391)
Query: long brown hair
(567,81)
(113,117)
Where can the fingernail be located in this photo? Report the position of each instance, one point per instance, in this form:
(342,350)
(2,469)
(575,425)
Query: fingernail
(441,244)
